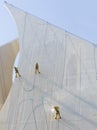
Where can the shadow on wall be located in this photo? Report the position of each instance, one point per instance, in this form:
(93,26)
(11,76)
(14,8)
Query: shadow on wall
(8,54)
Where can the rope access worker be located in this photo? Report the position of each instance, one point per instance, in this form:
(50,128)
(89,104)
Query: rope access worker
(17,72)
(57,116)
(37,68)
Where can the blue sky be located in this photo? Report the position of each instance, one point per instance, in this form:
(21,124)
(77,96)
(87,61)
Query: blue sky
(76,16)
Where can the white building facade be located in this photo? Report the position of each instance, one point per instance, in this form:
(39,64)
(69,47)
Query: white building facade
(67,79)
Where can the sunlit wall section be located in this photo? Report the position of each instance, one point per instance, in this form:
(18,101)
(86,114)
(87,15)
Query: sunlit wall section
(67,78)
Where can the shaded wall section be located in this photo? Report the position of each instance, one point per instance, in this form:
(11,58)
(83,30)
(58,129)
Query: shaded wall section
(8,54)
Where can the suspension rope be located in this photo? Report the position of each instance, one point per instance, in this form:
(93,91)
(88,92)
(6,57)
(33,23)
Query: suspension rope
(16,112)
(45,114)
(95,63)
(65,54)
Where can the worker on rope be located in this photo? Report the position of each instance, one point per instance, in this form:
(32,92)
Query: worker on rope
(17,72)
(37,68)
(57,116)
